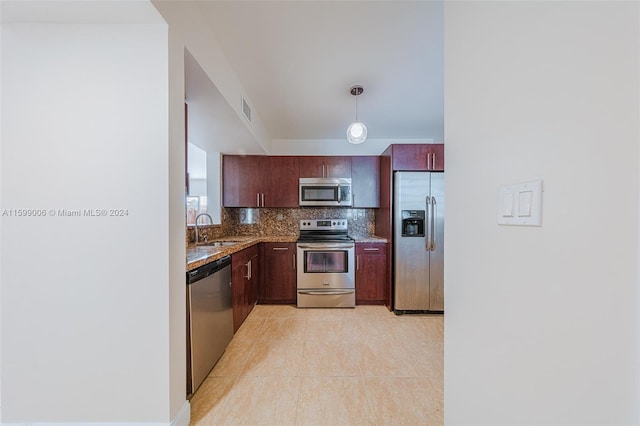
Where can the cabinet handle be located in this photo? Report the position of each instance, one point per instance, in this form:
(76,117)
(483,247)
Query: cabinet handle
(324,173)
(280,248)
(262,196)
(248,265)
(294,261)
(257,199)
(326,292)
(358,263)
(428,159)
(372,249)
(433,161)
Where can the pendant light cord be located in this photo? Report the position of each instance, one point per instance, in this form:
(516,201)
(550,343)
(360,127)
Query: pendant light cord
(356,108)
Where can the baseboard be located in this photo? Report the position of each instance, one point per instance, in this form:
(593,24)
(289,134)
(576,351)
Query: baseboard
(86,424)
(181,419)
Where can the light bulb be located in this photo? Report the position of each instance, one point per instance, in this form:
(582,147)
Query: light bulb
(357,132)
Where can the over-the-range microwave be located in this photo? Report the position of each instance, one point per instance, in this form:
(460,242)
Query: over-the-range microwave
(329,192)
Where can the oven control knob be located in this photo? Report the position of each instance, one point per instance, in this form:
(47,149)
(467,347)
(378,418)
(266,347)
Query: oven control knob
(334,223)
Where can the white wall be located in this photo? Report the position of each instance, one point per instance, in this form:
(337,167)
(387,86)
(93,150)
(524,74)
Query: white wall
(86,300)
(214,186)
(188,27)
(542,323)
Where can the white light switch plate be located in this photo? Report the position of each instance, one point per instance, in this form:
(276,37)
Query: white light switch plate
(521,204)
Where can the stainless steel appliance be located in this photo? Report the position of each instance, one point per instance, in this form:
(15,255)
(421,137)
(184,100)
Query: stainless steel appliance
(209,319)
(325,265)
(418,242)
(325,191)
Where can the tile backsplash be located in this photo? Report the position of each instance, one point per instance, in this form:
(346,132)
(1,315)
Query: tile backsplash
(274,221)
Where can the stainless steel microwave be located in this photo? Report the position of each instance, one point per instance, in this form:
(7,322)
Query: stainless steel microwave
(325,192)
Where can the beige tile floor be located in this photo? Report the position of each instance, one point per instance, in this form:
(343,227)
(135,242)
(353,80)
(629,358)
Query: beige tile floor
(362,366)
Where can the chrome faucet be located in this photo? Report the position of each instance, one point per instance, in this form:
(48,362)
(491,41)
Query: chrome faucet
(196,222)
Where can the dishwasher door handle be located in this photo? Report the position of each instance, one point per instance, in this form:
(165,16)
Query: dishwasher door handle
(326,292)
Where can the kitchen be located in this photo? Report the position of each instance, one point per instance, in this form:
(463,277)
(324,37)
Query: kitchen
(262,197)
(534,317)
(327,234)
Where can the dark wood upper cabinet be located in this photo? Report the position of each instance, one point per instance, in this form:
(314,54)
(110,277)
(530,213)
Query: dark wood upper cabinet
(365,181)
(327,166)
(272,181)
(418,157)
(242,180)
(338,167)
(259,181)
(280,177)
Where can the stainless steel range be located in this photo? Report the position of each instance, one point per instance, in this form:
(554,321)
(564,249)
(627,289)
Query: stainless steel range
(325,264)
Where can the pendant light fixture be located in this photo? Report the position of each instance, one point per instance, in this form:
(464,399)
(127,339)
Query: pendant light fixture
(357,131)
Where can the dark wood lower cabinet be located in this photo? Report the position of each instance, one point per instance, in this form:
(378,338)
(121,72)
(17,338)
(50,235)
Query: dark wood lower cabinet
(371,273)
(267,274)
(245,278)
(278,273)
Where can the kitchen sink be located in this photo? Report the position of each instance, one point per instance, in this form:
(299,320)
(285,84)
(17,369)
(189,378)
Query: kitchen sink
(218,243)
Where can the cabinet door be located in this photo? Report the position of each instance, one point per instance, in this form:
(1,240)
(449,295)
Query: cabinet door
(365,181)
(279,272)
(281,182)
(238,280)
(371,272)
(428,157)
(338,167)
(244,279)
(254,281)
(242,180)
(311,167)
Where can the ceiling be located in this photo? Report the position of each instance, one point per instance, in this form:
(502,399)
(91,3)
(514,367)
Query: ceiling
(297,60)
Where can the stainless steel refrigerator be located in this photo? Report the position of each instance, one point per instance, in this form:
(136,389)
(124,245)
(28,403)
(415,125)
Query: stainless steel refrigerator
(418,242)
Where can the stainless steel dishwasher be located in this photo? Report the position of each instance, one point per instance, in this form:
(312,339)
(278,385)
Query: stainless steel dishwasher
(209,319)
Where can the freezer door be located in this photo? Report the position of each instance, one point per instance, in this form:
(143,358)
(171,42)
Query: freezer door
(411,258)
(436,255)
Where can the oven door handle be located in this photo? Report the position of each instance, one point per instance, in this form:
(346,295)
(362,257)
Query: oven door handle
(326,293)
(326,246)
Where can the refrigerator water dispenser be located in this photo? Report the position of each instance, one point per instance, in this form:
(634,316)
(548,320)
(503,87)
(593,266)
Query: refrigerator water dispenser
(413,223)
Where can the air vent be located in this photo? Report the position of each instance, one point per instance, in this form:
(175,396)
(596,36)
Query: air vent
(246,110)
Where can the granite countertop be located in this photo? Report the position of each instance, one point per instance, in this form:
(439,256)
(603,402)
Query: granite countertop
(203,254)
(370,239)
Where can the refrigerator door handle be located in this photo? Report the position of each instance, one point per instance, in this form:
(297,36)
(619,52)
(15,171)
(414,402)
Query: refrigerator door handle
(434,213)
(429,229)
